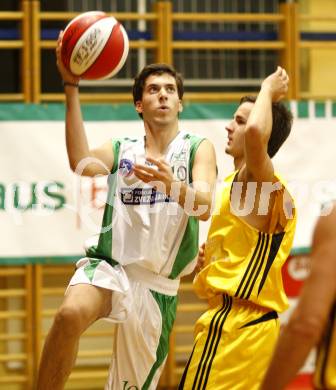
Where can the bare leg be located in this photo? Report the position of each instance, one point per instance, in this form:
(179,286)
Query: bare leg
(82,305)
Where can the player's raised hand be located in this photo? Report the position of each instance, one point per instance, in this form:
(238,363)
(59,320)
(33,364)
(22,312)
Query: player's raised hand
(277,84)
(66,75)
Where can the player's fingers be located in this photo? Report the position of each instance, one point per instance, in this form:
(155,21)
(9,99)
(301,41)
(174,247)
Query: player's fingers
(143,176)
(160,163)
(163,162)
(287,78)
(141,169)
(146,169)
(147,174)
(280,73)
(153,161)
(58,46)
(284,75)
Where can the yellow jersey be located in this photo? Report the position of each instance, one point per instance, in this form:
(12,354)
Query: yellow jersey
(242,261)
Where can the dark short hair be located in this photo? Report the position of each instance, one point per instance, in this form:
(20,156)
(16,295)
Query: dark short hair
(281,127)
(157,69)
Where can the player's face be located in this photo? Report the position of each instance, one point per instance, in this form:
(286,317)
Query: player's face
(160,101)
(235,129)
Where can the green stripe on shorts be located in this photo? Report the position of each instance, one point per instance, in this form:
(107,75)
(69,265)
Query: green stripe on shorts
(167,305)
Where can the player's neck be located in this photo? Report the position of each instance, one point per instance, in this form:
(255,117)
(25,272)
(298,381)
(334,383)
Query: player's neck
(158,139)
(238,162)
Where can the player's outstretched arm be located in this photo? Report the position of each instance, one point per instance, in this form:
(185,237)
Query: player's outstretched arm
(310,317)
(82,160)
(259,126)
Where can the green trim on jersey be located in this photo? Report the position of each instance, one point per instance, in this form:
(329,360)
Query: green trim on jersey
(189,245)
(90,269)
(103,250)
(116,148)
(167,305)
(188,249)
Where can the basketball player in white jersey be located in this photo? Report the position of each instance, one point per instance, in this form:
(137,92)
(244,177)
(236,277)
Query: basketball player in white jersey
(160,185)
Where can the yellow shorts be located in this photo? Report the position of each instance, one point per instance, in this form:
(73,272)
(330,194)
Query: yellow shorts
(234,341)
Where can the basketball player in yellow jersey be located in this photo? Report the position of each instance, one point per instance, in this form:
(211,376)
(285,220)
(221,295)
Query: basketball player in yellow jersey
(250,237)
(313,320)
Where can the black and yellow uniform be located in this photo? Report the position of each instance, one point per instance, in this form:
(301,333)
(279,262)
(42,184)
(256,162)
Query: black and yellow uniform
(242,281)
(325,371)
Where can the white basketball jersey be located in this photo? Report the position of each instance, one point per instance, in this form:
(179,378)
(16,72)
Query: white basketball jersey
(143,225)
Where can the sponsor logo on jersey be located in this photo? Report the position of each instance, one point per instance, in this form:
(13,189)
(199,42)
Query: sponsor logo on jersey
(137,196)
(125,167)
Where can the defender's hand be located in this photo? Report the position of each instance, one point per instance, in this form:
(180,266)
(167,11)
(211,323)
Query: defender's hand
(277,84)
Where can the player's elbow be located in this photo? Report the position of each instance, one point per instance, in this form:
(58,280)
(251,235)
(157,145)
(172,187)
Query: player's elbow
(253,131)
(256,134)
(80,170)
(73,166)
(203,213)
(208,208)
(204,217)
(308,327)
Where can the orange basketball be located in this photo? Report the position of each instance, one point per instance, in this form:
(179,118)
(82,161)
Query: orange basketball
(94,46)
